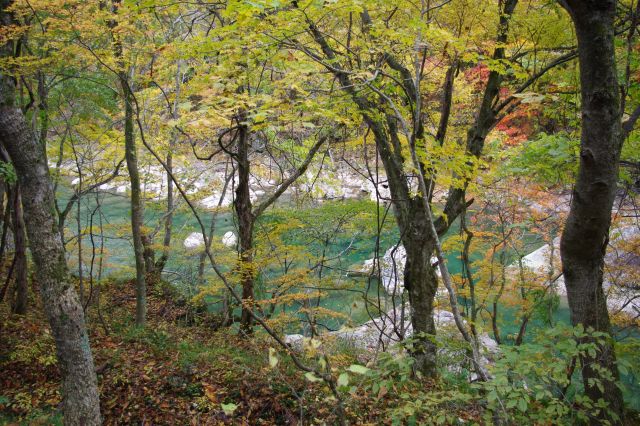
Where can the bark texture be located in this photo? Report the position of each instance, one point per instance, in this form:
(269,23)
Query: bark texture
(81,404)
(586,233)
(80,397)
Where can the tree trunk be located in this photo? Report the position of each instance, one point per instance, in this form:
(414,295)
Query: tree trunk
(586,233)
(3,193)
(81,404)
(79,230)
(43,108)
(242,205)
(131,157)
(136,204)
(21,288)
(7,194)
(6,219)
(168,224)
(410,211)
(421,282)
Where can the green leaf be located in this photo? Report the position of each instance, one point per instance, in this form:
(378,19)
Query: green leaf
(312,377)
(273,358)
(522,405)
(343,379)
(358,369)
(229,409)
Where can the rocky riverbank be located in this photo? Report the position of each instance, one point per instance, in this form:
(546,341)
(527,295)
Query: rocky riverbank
(622,263)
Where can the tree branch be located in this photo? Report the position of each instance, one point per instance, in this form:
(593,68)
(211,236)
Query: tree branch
(62,216)
(286,184)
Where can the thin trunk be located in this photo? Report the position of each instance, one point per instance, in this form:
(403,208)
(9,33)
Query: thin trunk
(3,192)
(92,263)
(79,230)
(466,264)
(203,255)
(100,264)
(136,205)
(21,288)
(227,308)
(168,224)
(447,99)
(43,108)
(159,265)
(131,157)
(494,321)
(586,233)
(5,224)
(522,330)
(7,280)
(242,205)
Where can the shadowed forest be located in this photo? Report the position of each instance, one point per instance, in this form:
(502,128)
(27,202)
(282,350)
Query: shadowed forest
(319,212)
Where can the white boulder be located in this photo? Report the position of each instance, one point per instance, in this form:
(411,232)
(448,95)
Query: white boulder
(106,187)
(212,201)
(193,241)
(229,239)
(385,332)
(619,299)
(392,270)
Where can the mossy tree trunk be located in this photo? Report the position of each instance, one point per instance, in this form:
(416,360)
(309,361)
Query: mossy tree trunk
(81,403)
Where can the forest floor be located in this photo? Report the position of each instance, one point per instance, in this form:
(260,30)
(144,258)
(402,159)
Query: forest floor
(178,370)
(175,371)
(182,369)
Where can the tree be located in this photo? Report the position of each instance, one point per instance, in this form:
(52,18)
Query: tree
(131,155)
(386,87)
(586,233)
(81,405)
